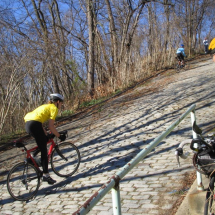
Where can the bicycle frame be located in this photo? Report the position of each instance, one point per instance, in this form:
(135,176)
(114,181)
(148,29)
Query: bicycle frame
(52,146)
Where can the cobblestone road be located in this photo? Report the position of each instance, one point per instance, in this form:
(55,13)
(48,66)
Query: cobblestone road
(112,135)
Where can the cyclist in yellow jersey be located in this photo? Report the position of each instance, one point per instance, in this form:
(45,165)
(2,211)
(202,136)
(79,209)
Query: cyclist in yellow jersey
(33,126)
(211,48)
(43,113)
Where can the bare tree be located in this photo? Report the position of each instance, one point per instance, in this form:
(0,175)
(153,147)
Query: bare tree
(91,64)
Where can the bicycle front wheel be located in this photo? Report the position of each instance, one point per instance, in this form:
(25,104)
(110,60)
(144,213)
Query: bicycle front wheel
(65,159)
(209,202)
(23,181)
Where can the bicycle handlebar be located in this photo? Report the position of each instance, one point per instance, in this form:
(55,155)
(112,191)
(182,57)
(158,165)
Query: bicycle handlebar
(179,150)
(201,143)
(51,135)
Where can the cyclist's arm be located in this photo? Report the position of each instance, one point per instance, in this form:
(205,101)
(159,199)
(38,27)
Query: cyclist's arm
(52,128)
(182,51)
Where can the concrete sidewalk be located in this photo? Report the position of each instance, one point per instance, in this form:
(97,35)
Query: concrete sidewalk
(193,204)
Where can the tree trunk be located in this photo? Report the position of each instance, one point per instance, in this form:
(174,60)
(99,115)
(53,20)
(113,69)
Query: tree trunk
(91,59)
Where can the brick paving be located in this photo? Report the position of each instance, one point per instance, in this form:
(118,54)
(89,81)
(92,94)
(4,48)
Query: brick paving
(111,135)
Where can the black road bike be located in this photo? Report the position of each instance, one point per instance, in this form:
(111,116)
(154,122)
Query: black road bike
(203,161)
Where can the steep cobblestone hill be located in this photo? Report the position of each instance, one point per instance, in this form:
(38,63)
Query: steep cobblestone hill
(111,135)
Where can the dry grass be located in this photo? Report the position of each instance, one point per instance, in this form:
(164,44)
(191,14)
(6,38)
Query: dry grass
(186,183)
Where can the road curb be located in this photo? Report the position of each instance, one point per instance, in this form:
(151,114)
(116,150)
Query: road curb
(193,203)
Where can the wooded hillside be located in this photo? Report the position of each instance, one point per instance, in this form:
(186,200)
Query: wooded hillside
(85,49)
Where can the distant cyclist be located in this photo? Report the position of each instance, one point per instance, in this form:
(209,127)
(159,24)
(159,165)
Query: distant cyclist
(205,42)
(33,126)
(180,55)
(211,48)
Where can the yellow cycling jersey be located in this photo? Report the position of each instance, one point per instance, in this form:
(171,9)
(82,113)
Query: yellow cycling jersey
(42,113)
(212,46)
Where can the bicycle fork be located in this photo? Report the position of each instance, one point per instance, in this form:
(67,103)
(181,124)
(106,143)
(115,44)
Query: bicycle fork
(61,155)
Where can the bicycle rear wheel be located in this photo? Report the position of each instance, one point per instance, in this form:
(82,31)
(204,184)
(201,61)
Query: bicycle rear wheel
(23,181)
(209,202)
(65,159)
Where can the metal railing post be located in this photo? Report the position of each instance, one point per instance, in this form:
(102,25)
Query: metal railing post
(116,200)
(198,174)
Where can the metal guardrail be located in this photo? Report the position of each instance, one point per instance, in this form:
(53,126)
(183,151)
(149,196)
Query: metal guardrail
(114,181)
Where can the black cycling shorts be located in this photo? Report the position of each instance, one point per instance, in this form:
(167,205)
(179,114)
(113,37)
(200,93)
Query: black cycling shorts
(35,129)
(180,56)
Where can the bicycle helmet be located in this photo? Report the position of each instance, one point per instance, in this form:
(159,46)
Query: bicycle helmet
(211,47)
(182,45)
(56,97)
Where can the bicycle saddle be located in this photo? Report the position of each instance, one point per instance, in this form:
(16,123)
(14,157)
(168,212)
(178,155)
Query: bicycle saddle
(19,144)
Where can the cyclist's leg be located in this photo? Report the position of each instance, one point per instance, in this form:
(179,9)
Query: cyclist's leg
(35,129)
(178,63)
(42,145)
(179,59)
(182,59)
